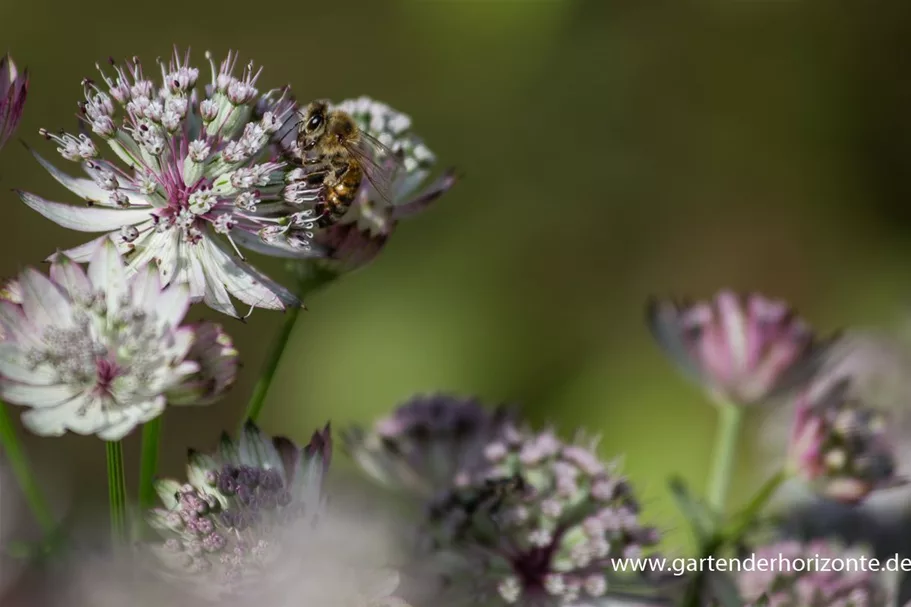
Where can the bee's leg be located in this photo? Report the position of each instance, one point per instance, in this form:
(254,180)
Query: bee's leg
(324,221)
(316,167)
(339,165)
(316,178)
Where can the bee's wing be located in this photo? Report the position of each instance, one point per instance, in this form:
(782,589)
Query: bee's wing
(381,165)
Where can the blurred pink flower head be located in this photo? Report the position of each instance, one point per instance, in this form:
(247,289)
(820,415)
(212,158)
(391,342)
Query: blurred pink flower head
(742,348)
(13,91)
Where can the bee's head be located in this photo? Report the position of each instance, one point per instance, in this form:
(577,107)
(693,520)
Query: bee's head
(312,125)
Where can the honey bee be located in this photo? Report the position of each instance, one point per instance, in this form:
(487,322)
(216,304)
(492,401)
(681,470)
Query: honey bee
(341,154)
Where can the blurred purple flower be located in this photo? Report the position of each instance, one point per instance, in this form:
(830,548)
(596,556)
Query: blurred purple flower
(513,515)
(224,529)
(772,587)
(531,520)
(741,348)
(426,442)
(13,92)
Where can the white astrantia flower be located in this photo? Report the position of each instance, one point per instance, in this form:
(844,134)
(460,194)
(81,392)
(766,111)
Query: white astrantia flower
(363,231)
(195,176)
(102,352)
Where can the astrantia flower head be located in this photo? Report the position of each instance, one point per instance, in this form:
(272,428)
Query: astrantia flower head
(364,230)
(742,349)
(783,585)
(850,416)
(195,177)
(101,352)
(13,92)
(224,527)
(842,447)
(539,522)
(426,442)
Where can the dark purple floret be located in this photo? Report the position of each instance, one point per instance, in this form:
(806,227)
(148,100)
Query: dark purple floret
(425,443)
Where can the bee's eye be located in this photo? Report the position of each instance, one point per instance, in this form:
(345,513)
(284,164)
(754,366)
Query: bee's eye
(314,122)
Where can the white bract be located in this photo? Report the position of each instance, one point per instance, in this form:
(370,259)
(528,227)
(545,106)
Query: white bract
(102,352)
(196,176)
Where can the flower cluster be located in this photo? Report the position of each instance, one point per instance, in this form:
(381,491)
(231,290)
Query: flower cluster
(224,526)
(527,516)
(13,93)
(816,584)
(99,352)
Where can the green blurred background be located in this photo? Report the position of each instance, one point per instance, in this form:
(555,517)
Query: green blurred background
(612,150)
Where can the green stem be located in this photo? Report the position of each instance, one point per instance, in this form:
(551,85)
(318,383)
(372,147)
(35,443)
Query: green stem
(306,285)
(255,407)
(724,456)
(148,463)
(117,493)
(746,517)
(19,464)
(732,535)
(694,589)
